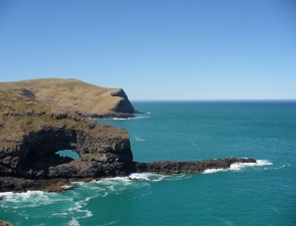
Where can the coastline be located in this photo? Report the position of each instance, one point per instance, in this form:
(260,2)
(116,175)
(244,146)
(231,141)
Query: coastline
(17,185)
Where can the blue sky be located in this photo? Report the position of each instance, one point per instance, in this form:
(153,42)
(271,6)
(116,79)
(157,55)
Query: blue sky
(155,49)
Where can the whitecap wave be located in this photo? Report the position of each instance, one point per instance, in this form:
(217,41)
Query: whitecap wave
(139,176)
(73,222)
(110,223)
(263,163)
(133,118)
(158,177)
(137,116)
(149,177)
(138,138)
(239,166)
(78,210)
(285,165)
(28,199)
(208,171)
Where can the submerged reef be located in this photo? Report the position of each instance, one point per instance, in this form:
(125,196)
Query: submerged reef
(32,131)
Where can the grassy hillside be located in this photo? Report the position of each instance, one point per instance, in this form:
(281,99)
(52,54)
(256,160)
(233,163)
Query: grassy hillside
(75,95)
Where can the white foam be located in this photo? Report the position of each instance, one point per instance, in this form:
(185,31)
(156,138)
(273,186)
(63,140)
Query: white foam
(5,194)
(239,166)
(67,187)
(73,222)
(137,116)
(60,214)
(139,176)
(285,165)
(263,163)
(148,177)
(208,171)
(110,223)
(121,179)
(121,119)
(31,199)
(79,209)
(132,118)
(138,138)
(176,177)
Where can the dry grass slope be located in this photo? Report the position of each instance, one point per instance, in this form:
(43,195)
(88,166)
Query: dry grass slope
(21,115)
(75,95)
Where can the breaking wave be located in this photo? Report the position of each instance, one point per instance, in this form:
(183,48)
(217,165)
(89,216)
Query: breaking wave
(73,222)
(239,166)
(139,139)
(137,116)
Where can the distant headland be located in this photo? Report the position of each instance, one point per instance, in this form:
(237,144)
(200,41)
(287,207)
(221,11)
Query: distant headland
(77,96)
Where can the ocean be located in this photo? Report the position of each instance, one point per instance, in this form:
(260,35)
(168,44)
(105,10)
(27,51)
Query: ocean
(247,194)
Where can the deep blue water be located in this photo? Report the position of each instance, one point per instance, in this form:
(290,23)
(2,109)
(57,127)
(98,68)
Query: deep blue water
(261,194)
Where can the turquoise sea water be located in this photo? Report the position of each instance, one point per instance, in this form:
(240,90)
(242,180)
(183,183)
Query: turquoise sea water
(260,194)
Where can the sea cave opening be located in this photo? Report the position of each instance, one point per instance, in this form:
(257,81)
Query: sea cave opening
(68,153)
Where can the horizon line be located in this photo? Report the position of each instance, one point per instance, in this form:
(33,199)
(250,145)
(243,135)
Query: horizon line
(213,100)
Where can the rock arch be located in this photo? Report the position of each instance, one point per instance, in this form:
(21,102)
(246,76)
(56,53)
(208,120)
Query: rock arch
(104,152)
(38,150)
(68,153)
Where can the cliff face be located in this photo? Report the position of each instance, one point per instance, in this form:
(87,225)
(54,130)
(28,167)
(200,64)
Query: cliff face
(31,132)
(73,95)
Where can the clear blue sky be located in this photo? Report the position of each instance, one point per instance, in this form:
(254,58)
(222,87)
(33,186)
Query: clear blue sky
(155,49)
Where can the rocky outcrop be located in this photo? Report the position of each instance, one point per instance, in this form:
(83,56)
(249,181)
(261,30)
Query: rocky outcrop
(173,167)
(32,131)
(74,95)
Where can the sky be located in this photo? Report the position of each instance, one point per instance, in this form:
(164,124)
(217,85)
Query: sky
(155,49)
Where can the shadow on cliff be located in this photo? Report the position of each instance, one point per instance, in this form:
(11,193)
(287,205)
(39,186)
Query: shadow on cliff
(39,152)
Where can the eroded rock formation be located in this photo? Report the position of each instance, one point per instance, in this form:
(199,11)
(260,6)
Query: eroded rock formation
(32,131)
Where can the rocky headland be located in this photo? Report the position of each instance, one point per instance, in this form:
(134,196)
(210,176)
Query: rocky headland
(73,95)
(33,130)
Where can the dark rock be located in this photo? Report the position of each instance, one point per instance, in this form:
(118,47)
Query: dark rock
(173,167)
(28,143)
(124,106)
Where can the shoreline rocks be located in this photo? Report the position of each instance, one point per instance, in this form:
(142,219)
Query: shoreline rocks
(159,167)
(177,167)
